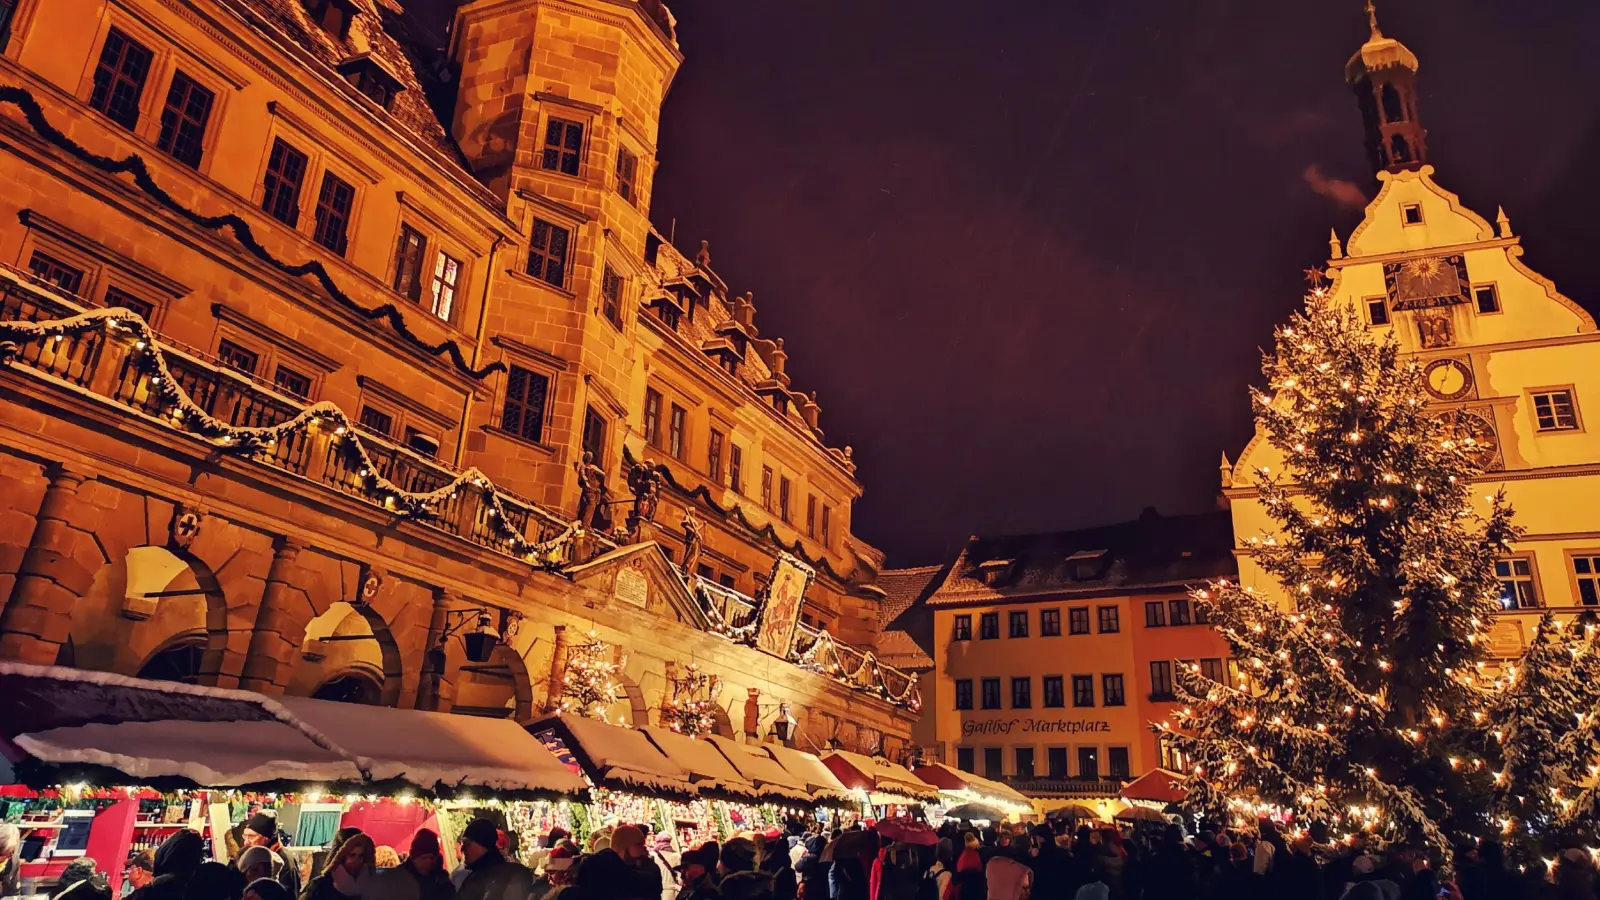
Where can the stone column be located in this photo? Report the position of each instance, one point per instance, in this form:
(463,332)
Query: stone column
(558,667)
(36,618)
(280,625)
(752,716)
(433,658)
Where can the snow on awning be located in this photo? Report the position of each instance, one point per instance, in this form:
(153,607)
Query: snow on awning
(615,757)
(708,769)
(97,725)
(439,752)
(1156,785)
(762,770)
(807,770)
(950,778)
(878,776)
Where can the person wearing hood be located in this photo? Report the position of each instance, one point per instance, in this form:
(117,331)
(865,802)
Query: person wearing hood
(559,868)
(420,877)
(261,830)
(348,872)
(175,863)
(257,862)
(742,877)
(697,870)
(968,883)
(1008,879)
(490,876)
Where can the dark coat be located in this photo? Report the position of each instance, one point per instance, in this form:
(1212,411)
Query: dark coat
(1169,875)
(607,876)
(493,876)
(175,863)
(321,888)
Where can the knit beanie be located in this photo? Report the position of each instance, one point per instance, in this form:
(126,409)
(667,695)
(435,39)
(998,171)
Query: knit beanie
(424,843)
(263,824)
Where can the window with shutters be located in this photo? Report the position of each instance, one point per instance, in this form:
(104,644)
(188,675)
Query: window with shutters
(236,357)
(675,427)
(119,78)
(547,253)
(563,146)
(827,525)
(811,515)
(184,118)
(766,488)
(627,171)
(334,202)
(56,273)
(446,276)
(409,254)
(523,414)
(280,190)
(714,456)
(652,417)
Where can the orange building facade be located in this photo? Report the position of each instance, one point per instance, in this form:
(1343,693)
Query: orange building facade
(416,258)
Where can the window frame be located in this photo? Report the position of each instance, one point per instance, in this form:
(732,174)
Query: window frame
(270,198)
(811,516)
(1078,616)
(626,174)
(1050,622)
(1534,393)
(985,621)
(1051,754)
(1111,763)
(1214,669)
(966,759)
(436,280)
(1405,215)
(767,476)
(961,627)
(735,467)
(1022,692)
(567,120)
(1107,679)
(650,417)
(1493,287)
(602,427)
(547,254)
(1165,668)
(997,756)
(542,421)
(1056,698)
(1014,618)
(181,118)
(339,235)
(785,495)
(984,701)
(1577,579)
(1026,771)
(1155,614)
(1088,762)
(1180,608)
(1083,692)
(612,287)
(1369,305)
(677,431)
(826,537)
(1102,618)
(118,77)
(1532,580)
(715,441)
(963,694)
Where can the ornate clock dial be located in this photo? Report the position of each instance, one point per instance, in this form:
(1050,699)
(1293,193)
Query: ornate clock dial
(1447,379)
(1473,430)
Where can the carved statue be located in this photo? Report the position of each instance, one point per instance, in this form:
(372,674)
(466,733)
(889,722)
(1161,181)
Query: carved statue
(644,480)
(693,541)
(703,258)
(1436,331)
(593,495)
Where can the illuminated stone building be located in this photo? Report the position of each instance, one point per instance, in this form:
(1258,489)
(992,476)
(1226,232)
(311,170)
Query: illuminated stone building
(1510,361)
(1052,653)
(425,261)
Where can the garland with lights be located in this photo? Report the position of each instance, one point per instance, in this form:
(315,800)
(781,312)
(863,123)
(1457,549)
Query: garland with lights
(823,657)
(589,682)
(1358,696)
(688,710)
(247,441)
(134,165)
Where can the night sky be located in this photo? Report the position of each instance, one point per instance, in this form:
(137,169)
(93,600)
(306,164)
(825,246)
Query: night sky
(1026,250)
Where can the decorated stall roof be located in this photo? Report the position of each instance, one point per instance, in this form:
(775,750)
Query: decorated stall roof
(708,769)
(437,752)
(1156,786)
(876,775)
(71,724)
(762,770)
(980,789)
(614,757)
(807,770)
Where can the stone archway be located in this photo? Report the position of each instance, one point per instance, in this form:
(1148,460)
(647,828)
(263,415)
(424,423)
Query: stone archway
(354,685)
(348,638)
(150,601)
(181,660)
(499,688)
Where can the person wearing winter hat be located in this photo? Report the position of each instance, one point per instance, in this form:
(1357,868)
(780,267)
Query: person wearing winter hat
(80,881)
(420,877)
(623,871)
(265,889)
(261,830)
(257,862)
(348,872)
(490,876)
(559,868)
(697,868)
(175,863)
(141,869)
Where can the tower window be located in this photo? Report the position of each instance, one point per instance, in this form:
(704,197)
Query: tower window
(652,417)
(627,173)
(675,429)
(408,262)
(446,273)
(1377,310)
(1487,296)
(1393,109)
(1410,213)
(563,146)
(523,413)
(547,253)
(611,295)
(1399,150)
(594,435)
(119,78)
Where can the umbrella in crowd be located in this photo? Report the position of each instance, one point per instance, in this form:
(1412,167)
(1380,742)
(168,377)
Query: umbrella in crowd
(908,831)
(970,811)
(1141,814)
(851,843)
(1074,811)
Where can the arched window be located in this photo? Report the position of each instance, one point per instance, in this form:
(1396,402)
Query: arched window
(350,687)
(179,662)
(1399,150)
(1393,109)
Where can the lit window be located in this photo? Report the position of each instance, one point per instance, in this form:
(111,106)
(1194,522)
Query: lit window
(1555,410)
(1587,570)
(1517,590)
(446,275)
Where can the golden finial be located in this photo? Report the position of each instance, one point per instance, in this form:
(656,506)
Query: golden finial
(1372,20)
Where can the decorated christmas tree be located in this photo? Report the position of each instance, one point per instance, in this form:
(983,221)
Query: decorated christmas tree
(688,706)
(589,683)
(1358,679)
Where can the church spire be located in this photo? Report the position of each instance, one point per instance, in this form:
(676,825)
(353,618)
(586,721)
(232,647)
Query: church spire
(1383,74)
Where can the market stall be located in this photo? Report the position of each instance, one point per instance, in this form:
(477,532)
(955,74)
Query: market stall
(813,777)
(890,788)
(958,788)
(1156,789)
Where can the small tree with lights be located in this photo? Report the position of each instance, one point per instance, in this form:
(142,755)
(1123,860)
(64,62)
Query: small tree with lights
(688,708)
(1355,699)
(589,682)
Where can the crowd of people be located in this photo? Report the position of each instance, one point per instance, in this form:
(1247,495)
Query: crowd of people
(1038,862)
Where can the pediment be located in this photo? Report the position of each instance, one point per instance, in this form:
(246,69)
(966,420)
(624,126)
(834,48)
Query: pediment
(640,576)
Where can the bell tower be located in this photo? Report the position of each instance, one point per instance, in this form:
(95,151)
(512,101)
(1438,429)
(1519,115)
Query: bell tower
(1383,74)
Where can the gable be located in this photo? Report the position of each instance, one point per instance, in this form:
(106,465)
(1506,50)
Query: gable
(640,576)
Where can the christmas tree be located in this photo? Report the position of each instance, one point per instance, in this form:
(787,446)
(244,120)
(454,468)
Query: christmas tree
(589,683)
(1355,692)
(688,710)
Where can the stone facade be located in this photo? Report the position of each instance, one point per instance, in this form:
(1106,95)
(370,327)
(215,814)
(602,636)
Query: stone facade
(485,292)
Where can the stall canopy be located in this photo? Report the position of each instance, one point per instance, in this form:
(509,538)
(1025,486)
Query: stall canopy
(708,769)
(444,754)
(614,757)
(1156,786)
(877,775)
(763,771)
(975,787)
(809,772)
(70,724)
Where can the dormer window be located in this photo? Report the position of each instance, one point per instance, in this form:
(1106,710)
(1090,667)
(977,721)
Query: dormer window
(332,16)
(366,76)
(1085,564)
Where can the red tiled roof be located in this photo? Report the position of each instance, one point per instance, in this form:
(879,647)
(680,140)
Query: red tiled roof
(898,649)
(902,588)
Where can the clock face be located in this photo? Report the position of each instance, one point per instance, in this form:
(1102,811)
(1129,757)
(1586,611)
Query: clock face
(1473,431)
(1448,379)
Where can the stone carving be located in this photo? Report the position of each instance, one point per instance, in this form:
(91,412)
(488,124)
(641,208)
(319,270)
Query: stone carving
(644,481)
(184,527)
(693,541)
(1436,331)
(703,257)
(371,583)
(594,497)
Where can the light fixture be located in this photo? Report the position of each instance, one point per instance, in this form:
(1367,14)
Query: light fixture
(784,726)
(482,640)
